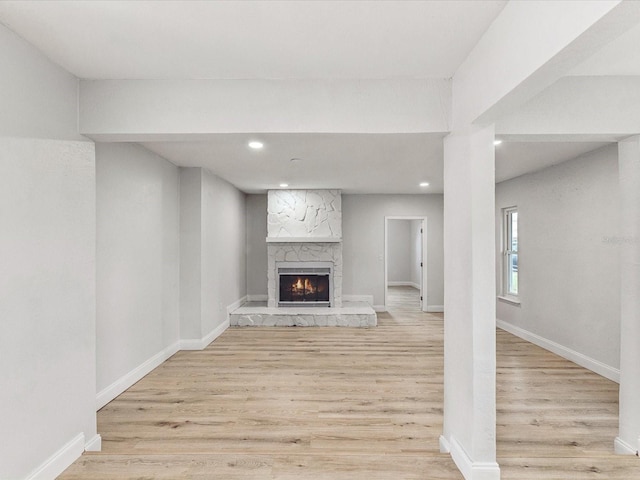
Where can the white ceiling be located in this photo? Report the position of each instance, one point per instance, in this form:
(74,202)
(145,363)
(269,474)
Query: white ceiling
(259,39)
(295,40)
(515,159)
(355,163)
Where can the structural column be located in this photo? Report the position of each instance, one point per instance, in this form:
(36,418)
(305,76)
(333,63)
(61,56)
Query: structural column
(628,440)
(470,293)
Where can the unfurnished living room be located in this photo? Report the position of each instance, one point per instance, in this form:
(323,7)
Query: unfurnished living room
(337,240)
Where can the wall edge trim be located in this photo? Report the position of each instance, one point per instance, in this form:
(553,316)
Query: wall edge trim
(472,470)
(94,444)
(435,308)
(623,448)
(578,358)
(358,298)
(127,380)
(60,460)
(201,343)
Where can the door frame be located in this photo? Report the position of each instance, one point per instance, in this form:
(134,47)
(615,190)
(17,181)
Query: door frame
(423,281)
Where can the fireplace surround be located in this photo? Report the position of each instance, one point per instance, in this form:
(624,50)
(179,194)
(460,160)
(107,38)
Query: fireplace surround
(304,266)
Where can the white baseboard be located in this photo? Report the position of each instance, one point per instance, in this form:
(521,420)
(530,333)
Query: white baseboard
(435,308)
(94,445)
(403,284)
(257,298)
(116,388)
(472,470)
(201,343)
(237,304)
(380,308)
(623,448)
(444,445)
(358,298)
(60,461)
(589,363)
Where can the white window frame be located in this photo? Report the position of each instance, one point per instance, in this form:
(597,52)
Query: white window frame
(506,255)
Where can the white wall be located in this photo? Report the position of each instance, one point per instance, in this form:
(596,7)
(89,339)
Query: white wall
(47,278)
(363,245)
(190,253)
(116,108)
(213,249)
(569,259)
(363,242)
(137,259)
(39,99)
(223,249)
(256,220)
(399,250)
(47,301)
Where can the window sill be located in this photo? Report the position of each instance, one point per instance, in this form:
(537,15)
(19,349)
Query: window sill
(511,300)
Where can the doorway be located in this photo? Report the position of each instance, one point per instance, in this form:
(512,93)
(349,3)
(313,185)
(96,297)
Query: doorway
(405,265)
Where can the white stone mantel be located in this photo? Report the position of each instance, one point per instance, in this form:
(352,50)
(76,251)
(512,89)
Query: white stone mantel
(304,239)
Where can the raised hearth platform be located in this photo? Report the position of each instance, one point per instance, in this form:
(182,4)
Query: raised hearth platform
(258,314)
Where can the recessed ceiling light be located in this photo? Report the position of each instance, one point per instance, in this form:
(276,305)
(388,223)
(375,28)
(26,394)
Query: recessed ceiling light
(256,145)
(497,142)
(424,184)
(283,185)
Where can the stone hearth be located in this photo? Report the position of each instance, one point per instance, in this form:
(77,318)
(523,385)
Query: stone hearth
(257,314)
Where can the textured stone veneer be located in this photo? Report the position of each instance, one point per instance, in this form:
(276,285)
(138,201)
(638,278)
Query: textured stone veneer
(304,213)
(254,314)
(304,252)
(310,320)
(294,215)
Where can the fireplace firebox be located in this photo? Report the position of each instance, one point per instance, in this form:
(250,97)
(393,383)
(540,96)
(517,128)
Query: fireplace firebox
(304,284)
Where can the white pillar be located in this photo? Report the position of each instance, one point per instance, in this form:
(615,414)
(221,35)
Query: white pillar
(470,320)
(628,440)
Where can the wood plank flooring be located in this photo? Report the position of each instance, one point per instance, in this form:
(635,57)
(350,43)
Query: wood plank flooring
(341,403)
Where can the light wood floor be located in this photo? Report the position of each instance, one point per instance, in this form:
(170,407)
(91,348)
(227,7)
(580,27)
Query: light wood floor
(340,403)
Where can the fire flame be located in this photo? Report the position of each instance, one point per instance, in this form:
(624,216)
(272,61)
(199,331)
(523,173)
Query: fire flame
(303,285)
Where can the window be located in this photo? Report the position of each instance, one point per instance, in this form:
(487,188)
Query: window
(510,253)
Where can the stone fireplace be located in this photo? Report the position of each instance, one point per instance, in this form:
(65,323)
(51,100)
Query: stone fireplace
(304,266)
(304,227)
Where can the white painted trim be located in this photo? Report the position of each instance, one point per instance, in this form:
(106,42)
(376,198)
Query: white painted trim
(403,284)
(201,343)
(257,298)
(116,388)
(623,448)
(509,299)
(235,305)
(358,298)
(589,363)
(94,445)
(473,470)
(435,308)
(444,445)
(380,308)
(61,460)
